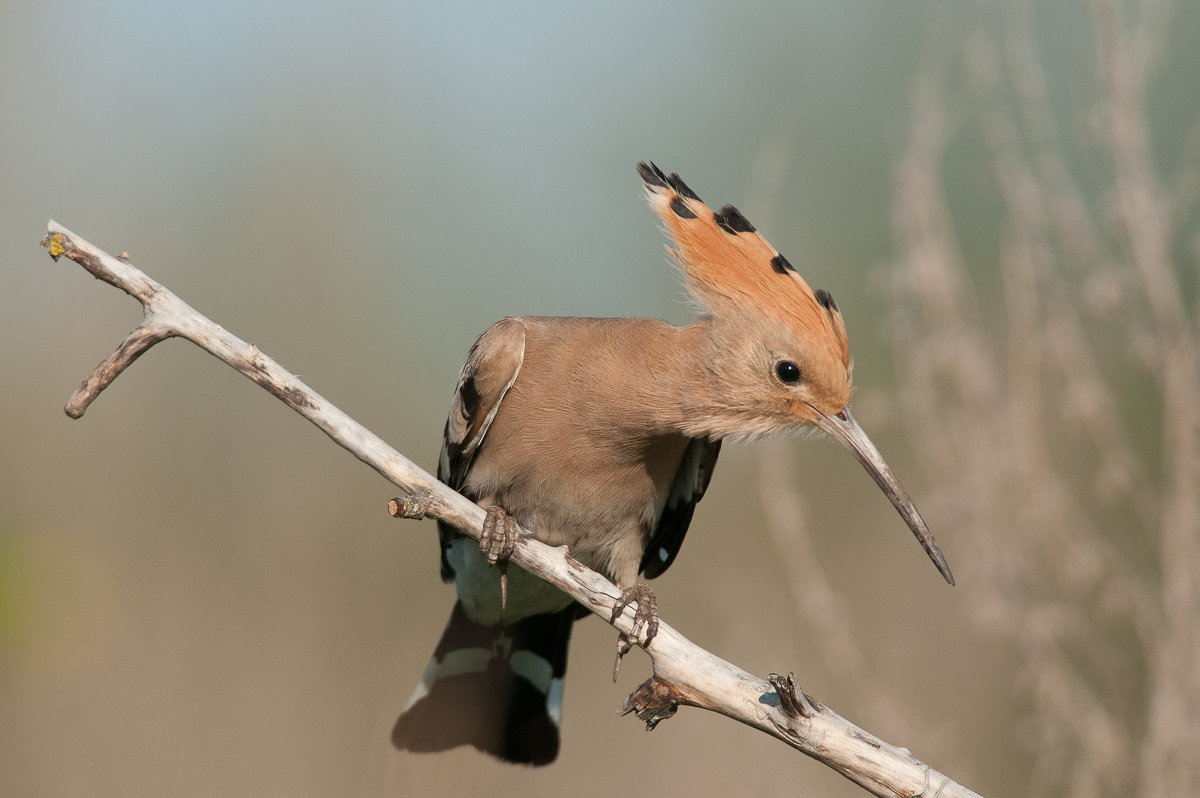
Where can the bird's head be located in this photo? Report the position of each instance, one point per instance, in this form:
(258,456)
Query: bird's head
(780,358)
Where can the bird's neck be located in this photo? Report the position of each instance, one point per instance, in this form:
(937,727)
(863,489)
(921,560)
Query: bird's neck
(683,390)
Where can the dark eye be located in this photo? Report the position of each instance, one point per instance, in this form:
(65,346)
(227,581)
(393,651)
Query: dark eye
(787,371)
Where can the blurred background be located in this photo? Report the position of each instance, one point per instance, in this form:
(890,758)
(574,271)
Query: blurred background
(201,595)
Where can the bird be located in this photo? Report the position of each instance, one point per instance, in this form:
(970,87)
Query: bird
(602,434)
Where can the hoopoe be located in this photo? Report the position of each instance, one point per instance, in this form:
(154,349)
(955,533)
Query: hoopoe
(602,434)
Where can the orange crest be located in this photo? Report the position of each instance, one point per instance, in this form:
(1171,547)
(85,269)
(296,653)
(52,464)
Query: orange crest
(731,269)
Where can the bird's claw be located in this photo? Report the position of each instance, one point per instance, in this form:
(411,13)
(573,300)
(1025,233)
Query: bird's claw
(645,621)
(497,541)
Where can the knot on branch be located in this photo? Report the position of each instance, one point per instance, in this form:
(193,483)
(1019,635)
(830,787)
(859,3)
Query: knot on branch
(792,700)
(652,701)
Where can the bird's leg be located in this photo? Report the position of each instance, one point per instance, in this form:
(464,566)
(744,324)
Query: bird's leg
(645,621)
(496,542)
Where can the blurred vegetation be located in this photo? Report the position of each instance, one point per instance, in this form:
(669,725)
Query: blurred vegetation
(1063,427)
(200,595)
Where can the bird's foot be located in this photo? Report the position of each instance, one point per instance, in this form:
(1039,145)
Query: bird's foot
(645,621)
(497,542)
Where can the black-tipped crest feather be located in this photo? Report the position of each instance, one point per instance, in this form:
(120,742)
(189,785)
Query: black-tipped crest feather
(680,208)
(731,220)
(652,175)
(780,264)
(681,187)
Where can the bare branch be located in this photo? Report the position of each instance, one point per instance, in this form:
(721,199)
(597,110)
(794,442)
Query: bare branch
(684,673)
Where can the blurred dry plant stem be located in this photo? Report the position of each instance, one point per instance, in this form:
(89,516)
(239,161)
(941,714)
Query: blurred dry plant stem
(684,674)
(1024,420)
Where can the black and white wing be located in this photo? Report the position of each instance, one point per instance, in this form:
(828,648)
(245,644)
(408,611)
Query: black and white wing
(695,472)
(491,369)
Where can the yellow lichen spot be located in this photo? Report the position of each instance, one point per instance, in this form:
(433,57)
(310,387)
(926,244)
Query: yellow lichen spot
(56,246)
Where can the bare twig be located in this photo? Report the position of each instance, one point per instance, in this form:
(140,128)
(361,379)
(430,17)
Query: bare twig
(684,674)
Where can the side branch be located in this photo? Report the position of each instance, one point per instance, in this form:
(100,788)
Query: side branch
(135,344)
(684,673)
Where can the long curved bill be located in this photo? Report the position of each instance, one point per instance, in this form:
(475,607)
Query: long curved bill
(845,430)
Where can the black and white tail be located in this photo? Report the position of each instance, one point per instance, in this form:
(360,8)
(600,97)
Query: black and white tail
(498,688)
